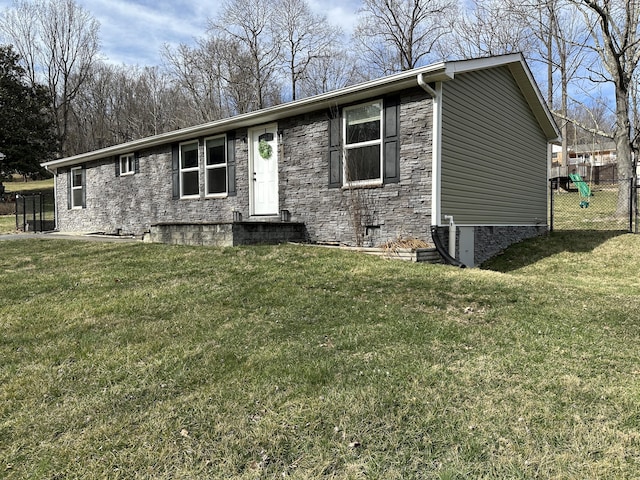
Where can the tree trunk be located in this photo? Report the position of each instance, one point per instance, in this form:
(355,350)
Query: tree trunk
(623,146)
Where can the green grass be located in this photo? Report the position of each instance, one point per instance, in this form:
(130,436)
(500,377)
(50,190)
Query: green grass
(599,215)
(32,186)
(153,361)
(7,224)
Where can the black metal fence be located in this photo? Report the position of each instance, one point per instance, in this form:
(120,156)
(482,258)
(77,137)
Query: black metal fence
(35,212)
(580,204)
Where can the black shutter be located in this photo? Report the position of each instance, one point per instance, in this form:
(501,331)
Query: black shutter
(391,140)
(117,159)
(84,187)
(69,191)
(231,164)
(175,170)
(136,162)
(335,152)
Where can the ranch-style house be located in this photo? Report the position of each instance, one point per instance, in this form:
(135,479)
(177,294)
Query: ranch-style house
(461,145)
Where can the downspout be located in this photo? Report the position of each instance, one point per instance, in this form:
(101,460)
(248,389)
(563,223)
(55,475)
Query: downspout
(449,258)
(426,87)
(435,94)
(452,235)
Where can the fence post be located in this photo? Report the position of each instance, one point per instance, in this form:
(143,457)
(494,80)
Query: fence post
(33,204)
(633,208)
(40,212)
(550,205)
(17,200)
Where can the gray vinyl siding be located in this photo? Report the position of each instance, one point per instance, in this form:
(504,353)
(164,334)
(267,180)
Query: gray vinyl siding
(494,153)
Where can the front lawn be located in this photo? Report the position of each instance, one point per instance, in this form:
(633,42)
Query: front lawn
(32,186)
(155,361)
(7,223)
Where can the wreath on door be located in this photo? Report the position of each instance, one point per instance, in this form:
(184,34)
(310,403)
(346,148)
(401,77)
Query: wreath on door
(265,149)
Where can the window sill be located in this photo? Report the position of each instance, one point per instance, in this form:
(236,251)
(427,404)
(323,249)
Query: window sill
(128,174)
(363,184)
(217,195)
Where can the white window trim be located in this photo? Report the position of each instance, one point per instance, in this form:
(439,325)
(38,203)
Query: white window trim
(212,167)
(128,160)
(346,146)
(74,188)
(189,169)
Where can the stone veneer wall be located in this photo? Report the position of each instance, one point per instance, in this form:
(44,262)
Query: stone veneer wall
(226,234)
(131,204)
(392,210)
(489,241)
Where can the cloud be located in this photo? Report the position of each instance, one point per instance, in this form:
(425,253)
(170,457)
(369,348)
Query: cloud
(341,13)
(133,32)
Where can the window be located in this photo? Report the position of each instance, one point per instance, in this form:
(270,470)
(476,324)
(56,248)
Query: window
(127,164)
(189,170)
(77,187)
(362,131)
(215,166)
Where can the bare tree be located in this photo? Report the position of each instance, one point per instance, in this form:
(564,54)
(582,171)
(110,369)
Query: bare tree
(59,43)
(488,27)
(90,114)
(306,37)
(121,103)
(399,35)
(614,26)
(635,114)
(562,41)
(330,72)
(159,100)
(249,24)
(215,76)
(586,121)
(198,71)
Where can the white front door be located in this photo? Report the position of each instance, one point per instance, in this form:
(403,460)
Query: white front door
(264,169)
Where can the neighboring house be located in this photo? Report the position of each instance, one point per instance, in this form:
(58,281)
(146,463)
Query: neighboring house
(362,165)
(595,161)
(597,153)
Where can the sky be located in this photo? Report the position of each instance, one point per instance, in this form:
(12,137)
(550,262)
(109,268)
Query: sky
(132,32)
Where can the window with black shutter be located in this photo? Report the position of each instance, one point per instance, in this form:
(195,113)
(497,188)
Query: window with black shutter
(364,144)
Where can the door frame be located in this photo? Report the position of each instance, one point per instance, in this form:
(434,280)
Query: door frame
(252,134)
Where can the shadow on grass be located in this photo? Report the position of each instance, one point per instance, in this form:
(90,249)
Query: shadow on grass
(531,251)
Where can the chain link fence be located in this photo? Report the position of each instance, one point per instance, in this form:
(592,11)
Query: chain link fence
(578,204)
